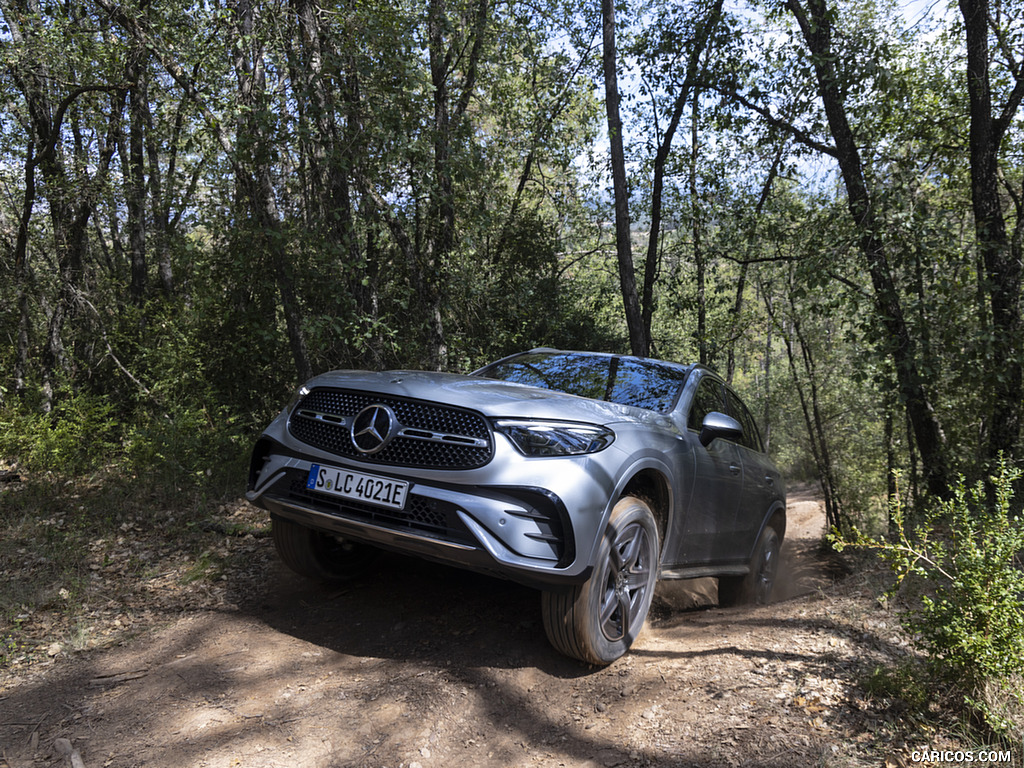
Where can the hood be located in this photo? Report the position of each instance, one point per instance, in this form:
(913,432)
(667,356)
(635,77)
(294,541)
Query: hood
(488,396)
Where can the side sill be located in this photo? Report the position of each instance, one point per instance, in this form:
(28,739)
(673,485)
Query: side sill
(702,571)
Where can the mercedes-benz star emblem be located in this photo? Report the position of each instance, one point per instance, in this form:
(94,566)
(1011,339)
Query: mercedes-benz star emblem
(373,428)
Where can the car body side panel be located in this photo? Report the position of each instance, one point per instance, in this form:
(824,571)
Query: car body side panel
(726,507)
(761,480)
(712,516)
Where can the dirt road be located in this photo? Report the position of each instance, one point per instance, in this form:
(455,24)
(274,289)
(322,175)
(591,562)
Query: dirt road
(426,666)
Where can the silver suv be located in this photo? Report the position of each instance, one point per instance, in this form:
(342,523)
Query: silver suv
(587,476)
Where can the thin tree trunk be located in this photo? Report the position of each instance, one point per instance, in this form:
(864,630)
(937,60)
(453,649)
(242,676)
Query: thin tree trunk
(810,407)
(833,507)
(818,448)
(891,489)
(736,313)
(737,307)
(161,193)
(135,198)
(699,46)
(21,268)
(815,24)
(767,422)
(1003,272)
(696,231)
(639,342)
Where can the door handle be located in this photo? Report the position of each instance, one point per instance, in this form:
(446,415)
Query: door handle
(769,479)
(734,468)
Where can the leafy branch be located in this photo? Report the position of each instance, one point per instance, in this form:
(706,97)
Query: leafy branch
(968,616)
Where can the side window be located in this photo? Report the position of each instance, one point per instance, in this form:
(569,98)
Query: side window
(708,398)
(751,437)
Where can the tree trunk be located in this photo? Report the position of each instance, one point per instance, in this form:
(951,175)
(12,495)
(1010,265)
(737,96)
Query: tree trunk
(767,422)
(737,307)
(135,186)
(1002,269)
(21,267)
(441,224)
(696,230)
(817,32)
(161,193)
(736,312)
(639,341)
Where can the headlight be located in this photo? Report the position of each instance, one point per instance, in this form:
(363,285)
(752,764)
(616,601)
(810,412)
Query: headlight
(555,438)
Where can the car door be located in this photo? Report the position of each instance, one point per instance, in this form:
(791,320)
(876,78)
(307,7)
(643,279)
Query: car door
(710,517)
(761,478)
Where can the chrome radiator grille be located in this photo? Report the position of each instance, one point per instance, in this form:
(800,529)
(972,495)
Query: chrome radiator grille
(428,435)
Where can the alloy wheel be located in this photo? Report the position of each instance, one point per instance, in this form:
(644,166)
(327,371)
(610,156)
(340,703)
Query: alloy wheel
(628,576)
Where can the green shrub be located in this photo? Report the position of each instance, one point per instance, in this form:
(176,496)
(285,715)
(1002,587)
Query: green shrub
(963,586)
(79,435)
(906,682)
(185,444)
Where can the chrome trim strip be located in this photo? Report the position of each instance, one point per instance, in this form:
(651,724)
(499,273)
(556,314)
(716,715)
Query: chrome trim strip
(442,437)
(412,433)
(365,525)
(330,418)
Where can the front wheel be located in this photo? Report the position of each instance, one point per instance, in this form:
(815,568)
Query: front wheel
(597,621)
(318,555)
(757,585)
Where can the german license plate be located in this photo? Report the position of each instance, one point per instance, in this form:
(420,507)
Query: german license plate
(358,486)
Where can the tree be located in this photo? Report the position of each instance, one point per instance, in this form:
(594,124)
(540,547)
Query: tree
(1000,255)
(71,190)
(815,22)
(639,333)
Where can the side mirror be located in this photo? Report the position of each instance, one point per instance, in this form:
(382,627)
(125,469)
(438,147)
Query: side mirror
(719,425)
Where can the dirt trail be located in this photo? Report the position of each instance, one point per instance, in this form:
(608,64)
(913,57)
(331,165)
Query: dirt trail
(425,666)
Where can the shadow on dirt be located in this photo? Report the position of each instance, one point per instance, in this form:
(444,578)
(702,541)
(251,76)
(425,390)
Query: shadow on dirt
(408,652)
(407,609)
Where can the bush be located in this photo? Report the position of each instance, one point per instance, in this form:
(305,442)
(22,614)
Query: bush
(185,444)
(963,586)
(79,435)
(85,433)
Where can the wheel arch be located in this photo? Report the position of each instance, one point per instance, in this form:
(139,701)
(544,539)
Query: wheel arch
(652,486)
(776,518)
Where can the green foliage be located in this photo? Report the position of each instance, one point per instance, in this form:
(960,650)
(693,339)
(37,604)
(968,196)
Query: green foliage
(79,435)
(187,445)
(961,577)
(907,682)
(306,207)
(165,414)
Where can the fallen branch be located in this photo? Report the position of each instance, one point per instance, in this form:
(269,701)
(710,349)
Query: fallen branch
(121,677)
(110,350)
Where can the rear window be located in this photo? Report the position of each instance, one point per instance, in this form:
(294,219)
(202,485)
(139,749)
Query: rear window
(648,384)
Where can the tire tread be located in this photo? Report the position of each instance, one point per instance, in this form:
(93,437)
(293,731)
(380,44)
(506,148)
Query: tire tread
(567,615)
(302,549)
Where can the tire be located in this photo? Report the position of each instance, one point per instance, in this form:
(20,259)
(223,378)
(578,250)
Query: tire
(759,583)
(318,555)
(597,621)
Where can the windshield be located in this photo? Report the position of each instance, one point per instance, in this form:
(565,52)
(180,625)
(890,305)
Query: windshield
(631,381)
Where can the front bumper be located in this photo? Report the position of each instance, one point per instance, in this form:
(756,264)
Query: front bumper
(516,531)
